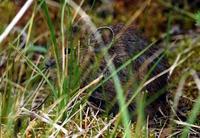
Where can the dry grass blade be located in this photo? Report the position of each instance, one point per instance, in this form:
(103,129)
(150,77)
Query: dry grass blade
(15,20)
(170,69)
(179,92)
(106,127)
(85,88)
(46,119)
(83,15)
(186,124)
(196,78)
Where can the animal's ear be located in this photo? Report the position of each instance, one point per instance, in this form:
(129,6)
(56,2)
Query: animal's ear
(106,34)
(101,38)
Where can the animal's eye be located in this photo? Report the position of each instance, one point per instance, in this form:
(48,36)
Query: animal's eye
(67,51)
(75,29)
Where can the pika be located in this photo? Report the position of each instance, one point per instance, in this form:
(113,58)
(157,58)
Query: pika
(127,44)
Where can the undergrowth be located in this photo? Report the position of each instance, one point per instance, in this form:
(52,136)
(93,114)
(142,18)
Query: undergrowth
(41,79)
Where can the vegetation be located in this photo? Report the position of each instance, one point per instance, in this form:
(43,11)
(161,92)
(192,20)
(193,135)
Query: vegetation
(44,63)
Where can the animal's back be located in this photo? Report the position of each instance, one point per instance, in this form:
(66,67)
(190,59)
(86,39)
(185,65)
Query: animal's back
(127,44)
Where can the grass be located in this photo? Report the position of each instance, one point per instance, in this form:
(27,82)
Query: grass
(27,76)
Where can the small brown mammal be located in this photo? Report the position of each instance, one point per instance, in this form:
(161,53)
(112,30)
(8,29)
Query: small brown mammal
(127,44)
